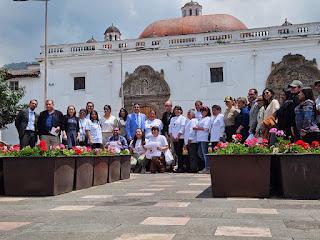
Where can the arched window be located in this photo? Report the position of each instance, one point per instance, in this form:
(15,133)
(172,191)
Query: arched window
(190,11)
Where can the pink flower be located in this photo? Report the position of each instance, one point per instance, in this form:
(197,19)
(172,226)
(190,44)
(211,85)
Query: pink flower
(273,130)
(280,133)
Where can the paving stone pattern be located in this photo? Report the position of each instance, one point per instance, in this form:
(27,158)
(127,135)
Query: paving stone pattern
(157,207)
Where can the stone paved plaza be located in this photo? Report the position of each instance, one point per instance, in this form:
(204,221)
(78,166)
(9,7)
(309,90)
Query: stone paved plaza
(157,207)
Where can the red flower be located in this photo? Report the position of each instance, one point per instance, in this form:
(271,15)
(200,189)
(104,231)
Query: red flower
(300,142)
(43,146)
(78,151)
(315,144)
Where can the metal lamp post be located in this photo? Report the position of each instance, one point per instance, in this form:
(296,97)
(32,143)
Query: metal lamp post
(45,45)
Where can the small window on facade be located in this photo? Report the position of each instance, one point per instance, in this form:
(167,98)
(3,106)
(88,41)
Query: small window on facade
(216,74)
(79,83)
(14,85)
(190,12)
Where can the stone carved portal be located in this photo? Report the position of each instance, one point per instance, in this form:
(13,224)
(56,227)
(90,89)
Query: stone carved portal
(292,67)
(146,87)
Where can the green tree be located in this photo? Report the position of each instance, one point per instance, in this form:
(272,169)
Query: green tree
(9,100)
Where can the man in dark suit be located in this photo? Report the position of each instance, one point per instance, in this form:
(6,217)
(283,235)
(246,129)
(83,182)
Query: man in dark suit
(50,124)
(26,124)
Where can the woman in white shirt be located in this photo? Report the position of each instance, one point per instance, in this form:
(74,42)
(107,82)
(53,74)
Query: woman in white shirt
(84,125)
(155,147)
(216,126)
(190,140)
(122,120)
(107,122)
(202,130)
(151,122)
(176,132)
(95,130)
(138,163)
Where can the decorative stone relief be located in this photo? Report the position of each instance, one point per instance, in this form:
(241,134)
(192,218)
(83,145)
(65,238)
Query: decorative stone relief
(292,67)
(146,87)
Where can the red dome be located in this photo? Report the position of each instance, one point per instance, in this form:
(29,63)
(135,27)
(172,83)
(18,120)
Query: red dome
(193,24)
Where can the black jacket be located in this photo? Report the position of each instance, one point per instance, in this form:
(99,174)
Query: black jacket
(166,117)
(57,122)
(21,122)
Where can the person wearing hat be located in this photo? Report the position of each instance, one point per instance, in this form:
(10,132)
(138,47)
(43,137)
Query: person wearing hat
(229,118)
(317,88)
(295,88)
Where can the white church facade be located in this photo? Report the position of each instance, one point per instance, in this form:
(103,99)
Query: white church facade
(195,57)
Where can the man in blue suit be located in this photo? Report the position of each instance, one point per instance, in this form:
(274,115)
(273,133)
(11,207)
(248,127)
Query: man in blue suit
(135,120)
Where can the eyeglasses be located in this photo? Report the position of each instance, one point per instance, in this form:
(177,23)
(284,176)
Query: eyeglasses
(154,129)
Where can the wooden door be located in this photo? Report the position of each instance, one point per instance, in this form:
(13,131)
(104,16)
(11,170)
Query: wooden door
(145,110)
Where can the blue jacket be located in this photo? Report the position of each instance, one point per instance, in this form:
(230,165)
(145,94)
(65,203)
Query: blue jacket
(133,123)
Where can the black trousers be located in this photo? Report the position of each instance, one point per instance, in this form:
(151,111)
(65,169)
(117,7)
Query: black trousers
(230,130)
(311,136)
(193,157)
(28,139)
(178,148)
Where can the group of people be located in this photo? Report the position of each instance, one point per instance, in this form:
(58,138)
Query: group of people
(154,142)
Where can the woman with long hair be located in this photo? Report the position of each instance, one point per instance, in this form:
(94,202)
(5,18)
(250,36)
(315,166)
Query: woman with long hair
(138,162)
(202,130)
(176,132)
(108,122)
(306,117)
(95,130)
(71,133)
(122,119)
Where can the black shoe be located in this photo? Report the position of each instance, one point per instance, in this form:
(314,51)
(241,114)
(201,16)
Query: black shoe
(180,170)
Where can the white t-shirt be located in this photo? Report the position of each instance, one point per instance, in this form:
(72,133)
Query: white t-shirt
(177,125)
(189,133)
(96,133)
(198,115)
(107,125)
(151,123)
(216,127)
(138,148)
(153,143)
(203,135)
(84,125)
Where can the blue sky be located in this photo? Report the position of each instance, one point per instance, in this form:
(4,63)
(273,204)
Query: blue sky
(70,21)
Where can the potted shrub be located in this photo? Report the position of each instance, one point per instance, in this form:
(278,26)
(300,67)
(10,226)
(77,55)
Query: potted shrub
(37,171)
(240,170)
(125,165)
(83,175)
(299,165)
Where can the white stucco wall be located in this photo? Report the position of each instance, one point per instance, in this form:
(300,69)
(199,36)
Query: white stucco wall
(186,70)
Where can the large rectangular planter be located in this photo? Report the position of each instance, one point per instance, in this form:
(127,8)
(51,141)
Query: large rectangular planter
(240,175)
(114,168)
(100,170)
(125,167)
(83,177)
(38,176)
(1,177)
(300,175)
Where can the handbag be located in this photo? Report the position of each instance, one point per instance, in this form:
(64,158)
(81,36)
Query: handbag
(168,157)
(269,122)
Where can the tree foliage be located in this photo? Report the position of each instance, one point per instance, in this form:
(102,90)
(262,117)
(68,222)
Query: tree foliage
(9,101)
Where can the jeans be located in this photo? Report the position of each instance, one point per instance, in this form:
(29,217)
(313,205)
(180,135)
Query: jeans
(202,151)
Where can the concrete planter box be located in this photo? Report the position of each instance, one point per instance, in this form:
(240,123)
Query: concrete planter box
(300,175)
(83,176)
(38,176)
(100,170)
(114,168)
(240,175)
(125,166)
